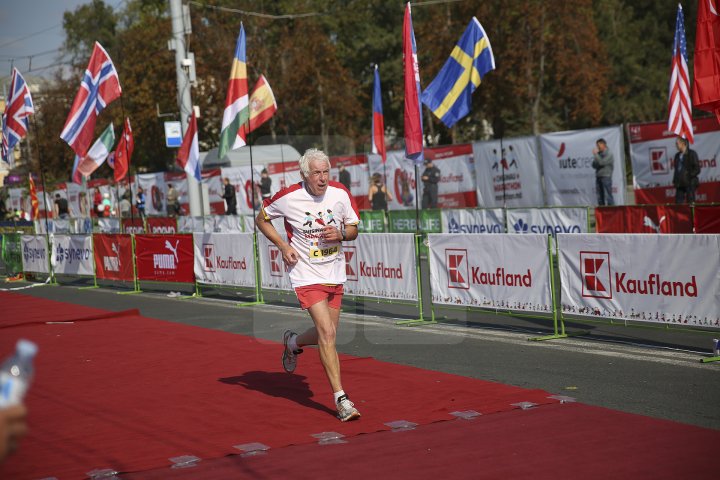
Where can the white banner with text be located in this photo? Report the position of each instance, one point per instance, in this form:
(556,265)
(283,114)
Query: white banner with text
(34,254)
(548,221)
(473,220)
(224,259)
(273,271)
(72,254)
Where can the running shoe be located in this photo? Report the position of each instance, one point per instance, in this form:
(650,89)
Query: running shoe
(289,358)
(346,409)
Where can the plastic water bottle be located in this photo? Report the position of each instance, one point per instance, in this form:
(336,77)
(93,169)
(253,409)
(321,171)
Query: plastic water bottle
(16,373)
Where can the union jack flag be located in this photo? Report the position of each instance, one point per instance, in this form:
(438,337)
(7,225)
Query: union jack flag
(679,102)
(99,87)
(15,119)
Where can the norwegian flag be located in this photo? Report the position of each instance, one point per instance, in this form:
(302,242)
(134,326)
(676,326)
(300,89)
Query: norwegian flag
(15,118)
(679,102)
(99,87)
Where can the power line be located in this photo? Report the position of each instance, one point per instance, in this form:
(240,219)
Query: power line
(257,14)
(30,35)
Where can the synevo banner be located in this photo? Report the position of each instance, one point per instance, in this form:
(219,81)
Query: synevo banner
(381,265)
(652,151)
(473,220)
(548,221)
(502,271)
(72,254)
(224,258)
(670,279)
(114,257)
(273,271)
(34,254)
(508,176)
(567,165)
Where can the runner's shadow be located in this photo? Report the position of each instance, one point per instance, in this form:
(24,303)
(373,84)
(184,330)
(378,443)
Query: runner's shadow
(279,384)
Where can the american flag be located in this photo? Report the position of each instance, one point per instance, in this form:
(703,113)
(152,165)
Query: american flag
(679,102)
(99,87)
(15,118)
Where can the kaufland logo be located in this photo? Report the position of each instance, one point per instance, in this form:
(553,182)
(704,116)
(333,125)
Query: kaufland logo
(208,257)
(659,161)
(597,280)
(351,266)
(595,272)
(276,261)
(456,262)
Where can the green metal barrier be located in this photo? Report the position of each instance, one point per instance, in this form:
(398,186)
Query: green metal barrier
(12,253)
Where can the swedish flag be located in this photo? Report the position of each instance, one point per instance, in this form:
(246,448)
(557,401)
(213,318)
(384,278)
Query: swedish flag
(449,95)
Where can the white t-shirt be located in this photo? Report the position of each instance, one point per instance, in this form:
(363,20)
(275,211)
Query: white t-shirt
(305,216)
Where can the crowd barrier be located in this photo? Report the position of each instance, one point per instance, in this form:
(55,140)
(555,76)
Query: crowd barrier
(658,219)
(651,279)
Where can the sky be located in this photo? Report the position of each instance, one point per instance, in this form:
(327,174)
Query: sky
(34,28)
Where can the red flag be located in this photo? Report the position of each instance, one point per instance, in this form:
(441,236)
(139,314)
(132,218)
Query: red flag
(35,206)
(706,75)
(413,114)
(123,152)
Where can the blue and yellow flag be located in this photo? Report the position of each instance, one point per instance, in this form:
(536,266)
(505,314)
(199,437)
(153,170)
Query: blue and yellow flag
(449,95)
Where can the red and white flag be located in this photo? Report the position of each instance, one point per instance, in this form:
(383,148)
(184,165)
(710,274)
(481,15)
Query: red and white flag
(188,156)
(706,72)
(679,103)
(123,152)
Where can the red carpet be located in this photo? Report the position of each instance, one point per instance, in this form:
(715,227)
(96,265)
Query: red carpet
(128,392)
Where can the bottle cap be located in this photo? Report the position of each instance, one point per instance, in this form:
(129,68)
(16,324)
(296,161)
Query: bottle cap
(26,348)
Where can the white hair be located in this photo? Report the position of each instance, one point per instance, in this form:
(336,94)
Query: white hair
(310,155)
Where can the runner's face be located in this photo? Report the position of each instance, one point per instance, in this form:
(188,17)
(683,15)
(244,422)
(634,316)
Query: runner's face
(317,179)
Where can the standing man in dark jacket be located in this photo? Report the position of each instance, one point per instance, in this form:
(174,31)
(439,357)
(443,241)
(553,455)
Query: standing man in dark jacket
(430,178)
(603,163)
(229,196)
(687,169)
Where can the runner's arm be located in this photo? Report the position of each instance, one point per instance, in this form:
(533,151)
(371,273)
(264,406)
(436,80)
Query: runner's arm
(290,255)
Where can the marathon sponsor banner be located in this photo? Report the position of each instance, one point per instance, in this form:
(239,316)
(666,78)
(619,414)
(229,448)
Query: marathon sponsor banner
(241,178)
(473,220)
(72,254)
(114,257)
(400,181)
(54,226)
(669,279)
(81,225)
(357,167)
(133,225)
(213,180)
(283,174)
(108,225)
(273,271)
(190,224)
(224,259)
(652,152)
(34,254)
(567,165)
(372,221)
(706,219)
(548,221)
(406,221)
(644,219)
(162,225)
(155,188)
(180,183)
(15,199)
(504,271)
(382,266)
(165,258)
(508,176)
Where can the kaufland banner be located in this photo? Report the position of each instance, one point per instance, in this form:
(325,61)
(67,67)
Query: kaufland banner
(155,189)
(473,220)
(242,179)
(224,259)
(508,176)
(72,254)
(381,265)
(114,257)
(652,151)
(547,221)
(165,258)
(508,272)
(567,165)
(642,277)
(34,254)
(273,271)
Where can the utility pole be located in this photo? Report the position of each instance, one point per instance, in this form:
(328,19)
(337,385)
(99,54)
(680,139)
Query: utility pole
(185,69)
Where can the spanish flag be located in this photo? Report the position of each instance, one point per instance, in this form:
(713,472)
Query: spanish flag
(262,106)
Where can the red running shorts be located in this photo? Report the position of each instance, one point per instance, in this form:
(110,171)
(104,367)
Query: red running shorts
(309,295)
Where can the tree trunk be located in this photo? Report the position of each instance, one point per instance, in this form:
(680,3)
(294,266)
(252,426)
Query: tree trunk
(323,125)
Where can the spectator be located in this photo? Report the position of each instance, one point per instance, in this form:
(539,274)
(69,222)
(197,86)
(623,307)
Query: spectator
(687,169)
(265,184)
(378,195)
(230,199)
(430,178)
(173,204)
(344,177)
(61,207)
(140,202)
(603,163)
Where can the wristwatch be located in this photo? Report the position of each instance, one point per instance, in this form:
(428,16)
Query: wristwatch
(342,232)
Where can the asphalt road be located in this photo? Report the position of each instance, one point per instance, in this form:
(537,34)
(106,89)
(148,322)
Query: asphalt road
(648,372)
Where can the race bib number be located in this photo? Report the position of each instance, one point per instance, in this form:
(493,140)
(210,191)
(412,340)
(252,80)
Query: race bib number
(322,255)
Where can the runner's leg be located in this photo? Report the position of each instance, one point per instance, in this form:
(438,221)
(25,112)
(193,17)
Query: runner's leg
(324,333)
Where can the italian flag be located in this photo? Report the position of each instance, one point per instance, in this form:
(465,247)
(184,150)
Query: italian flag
(236,102)
(98,152)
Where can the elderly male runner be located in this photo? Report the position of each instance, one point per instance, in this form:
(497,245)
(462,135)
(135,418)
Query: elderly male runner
(316,261)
